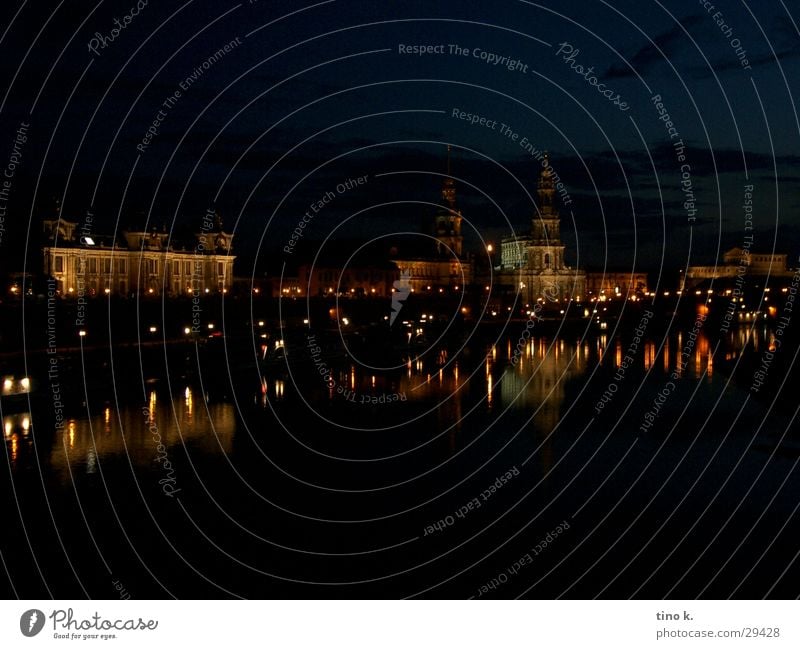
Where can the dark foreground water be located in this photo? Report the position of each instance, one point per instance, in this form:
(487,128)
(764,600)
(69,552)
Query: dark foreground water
(487,471)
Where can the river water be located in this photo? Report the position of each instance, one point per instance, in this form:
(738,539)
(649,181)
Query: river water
(492,470)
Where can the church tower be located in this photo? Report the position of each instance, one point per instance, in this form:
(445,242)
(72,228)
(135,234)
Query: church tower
(447,224)
(546,252)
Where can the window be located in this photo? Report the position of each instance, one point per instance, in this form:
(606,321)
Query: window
(122,266)
(547,260)
(59,264)
(93,266)
(107,266)
(187,268)
(220,268)
(151,266)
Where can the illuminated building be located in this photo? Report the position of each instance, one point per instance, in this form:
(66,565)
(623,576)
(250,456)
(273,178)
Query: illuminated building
(624,284)
(439,263)
(87,263)
(738,261)
(534,263)
(373,280)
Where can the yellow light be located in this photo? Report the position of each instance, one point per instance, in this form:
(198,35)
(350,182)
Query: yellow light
(82,333)
(210,325)
(153,329)
(7,385)
(150,290)
(26,384)
(187,331)
(260,323)
(490,248)
(107,291)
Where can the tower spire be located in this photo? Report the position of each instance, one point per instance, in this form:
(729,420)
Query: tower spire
(449,186)
(447,226)
(546,190)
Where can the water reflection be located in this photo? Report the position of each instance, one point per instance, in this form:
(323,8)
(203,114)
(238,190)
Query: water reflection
(86,442)
(481,381)
(17,433)
(528,376)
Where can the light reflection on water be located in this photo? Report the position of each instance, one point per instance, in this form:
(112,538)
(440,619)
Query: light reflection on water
(536,385)
(108,435)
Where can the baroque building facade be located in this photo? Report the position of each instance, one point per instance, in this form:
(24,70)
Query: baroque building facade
(439,264)
(84,263)
(534,263)
(737,262)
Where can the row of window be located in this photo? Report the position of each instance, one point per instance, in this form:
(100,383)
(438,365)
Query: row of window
(93,264)
(431,271)
(358,276)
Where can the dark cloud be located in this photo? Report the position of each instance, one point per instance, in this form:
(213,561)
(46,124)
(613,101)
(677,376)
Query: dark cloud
(648,55)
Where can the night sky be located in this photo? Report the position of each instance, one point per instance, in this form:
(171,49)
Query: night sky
(306,95)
